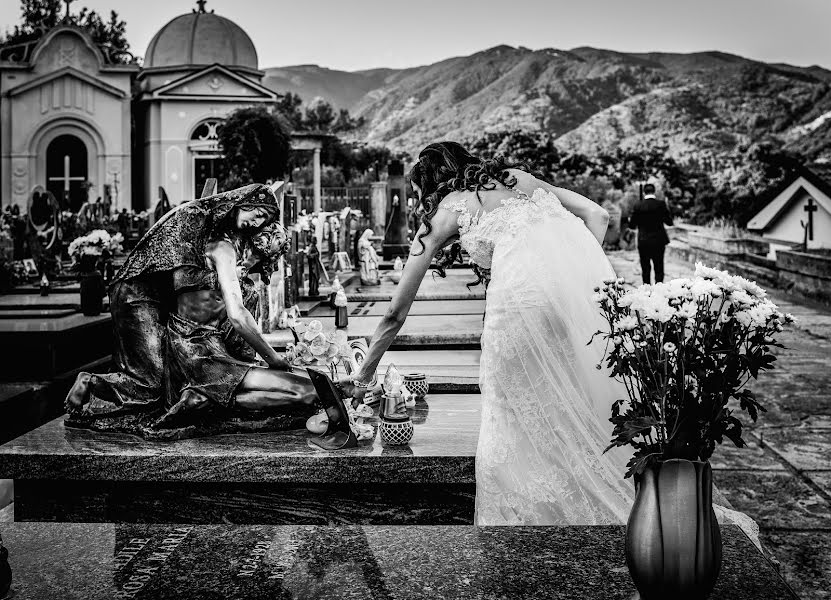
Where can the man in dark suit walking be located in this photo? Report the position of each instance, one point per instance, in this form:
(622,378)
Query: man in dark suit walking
(649,217)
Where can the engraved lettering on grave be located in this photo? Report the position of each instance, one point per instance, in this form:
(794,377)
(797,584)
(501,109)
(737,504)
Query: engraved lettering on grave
(128,552)
(142,573)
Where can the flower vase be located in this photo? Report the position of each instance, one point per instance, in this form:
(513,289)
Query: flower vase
(673,541)
(92,286)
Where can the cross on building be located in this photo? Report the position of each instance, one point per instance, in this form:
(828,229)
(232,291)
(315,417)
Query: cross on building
(810,208)
(66,177)
(67,2)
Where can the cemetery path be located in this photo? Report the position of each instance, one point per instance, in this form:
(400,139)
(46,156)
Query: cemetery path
(783,478)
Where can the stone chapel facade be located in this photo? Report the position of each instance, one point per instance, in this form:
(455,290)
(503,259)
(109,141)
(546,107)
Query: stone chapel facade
(70,119)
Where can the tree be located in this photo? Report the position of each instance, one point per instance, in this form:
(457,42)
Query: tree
(320,115)
(289,106)
(39,16)
(255,147)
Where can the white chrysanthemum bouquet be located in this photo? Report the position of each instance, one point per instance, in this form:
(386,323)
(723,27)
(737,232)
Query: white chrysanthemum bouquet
(94,243)
(684,349)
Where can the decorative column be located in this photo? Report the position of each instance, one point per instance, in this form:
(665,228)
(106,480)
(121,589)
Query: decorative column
(318,203)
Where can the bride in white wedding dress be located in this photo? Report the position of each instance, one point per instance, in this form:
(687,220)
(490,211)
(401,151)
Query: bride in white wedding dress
(545,406)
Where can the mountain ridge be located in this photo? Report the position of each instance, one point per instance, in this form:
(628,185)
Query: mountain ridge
(700,106)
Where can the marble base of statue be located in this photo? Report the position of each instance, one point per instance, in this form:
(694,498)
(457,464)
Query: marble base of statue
(229,422)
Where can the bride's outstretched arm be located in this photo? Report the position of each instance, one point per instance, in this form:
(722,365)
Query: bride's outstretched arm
(445,226)
(593,215)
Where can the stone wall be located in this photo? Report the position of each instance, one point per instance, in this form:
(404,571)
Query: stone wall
(804,273)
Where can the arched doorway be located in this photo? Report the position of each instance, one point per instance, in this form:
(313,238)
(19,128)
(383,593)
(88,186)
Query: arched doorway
(67,171)
(207,157)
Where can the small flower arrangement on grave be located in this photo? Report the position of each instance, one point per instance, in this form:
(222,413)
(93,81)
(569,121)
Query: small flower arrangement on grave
(315,348)
(685,351)
(95,243)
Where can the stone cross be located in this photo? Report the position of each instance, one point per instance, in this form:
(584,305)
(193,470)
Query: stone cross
(66,178)
(810,208)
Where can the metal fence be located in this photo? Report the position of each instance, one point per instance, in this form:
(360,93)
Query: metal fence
(334,199)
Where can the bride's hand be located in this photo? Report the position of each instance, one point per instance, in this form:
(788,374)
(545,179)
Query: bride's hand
(350,390)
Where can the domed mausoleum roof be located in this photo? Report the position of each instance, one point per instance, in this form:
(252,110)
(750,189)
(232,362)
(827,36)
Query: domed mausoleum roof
(201,38)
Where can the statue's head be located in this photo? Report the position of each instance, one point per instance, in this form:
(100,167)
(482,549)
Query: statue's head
(270,241)
(251,217)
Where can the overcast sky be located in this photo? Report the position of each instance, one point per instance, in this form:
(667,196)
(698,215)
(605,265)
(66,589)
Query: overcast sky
(362,34)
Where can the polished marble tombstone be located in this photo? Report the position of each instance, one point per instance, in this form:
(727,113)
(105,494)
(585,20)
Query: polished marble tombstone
(78,475)
(92,561)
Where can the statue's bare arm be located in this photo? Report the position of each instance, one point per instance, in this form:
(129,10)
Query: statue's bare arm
(593,215)
(224,259)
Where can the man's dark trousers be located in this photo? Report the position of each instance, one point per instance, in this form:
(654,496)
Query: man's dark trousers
(652,254)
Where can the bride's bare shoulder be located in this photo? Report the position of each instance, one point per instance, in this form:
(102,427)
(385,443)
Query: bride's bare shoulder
(454,200)
(524,179)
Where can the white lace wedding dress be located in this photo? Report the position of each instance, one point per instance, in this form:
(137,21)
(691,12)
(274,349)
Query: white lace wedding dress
(545,406)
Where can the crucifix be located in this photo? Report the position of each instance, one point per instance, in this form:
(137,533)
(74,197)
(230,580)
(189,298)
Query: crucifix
(66,177)
(810,208)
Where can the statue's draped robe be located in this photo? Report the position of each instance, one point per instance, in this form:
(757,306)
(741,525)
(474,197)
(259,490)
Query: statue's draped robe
(142,296)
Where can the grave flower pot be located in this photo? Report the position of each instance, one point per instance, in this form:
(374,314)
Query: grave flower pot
(673,541)
(92,285)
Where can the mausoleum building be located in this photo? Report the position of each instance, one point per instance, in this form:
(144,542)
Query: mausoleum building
(197,69)
(71,119)
(65,120)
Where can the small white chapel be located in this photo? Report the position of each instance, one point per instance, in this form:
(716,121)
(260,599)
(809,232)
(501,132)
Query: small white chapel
(800,212)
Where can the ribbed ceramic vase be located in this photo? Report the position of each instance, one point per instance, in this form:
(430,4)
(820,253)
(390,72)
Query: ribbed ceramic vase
(673,542)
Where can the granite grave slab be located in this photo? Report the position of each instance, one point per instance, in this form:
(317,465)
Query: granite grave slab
(41,349)
(104,561)
(70,474)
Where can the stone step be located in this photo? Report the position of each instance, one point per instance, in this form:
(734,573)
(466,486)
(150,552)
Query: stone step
(77,475)
(373,308)
(451,287)
(418,331)
(104,560)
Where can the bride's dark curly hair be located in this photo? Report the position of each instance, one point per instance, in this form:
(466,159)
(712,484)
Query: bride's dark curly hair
(446,167)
